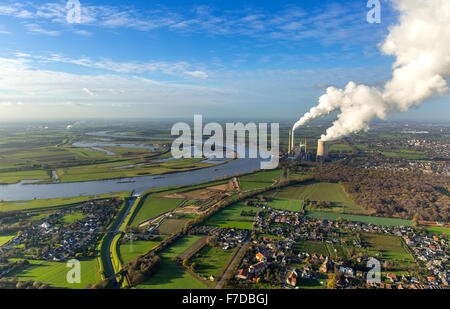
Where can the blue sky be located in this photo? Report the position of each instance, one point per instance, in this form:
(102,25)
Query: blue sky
(177,58)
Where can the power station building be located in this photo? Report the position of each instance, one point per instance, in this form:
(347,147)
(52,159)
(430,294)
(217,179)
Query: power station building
(300,155)
(297,153)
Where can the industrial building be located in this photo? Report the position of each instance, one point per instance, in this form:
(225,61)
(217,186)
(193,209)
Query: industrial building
(301,154)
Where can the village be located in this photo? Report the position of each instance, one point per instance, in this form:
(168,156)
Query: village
(277,258)
(64,234)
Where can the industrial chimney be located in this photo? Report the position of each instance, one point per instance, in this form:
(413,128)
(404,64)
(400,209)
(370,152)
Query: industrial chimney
(322,149)
(293,141)
(290,139)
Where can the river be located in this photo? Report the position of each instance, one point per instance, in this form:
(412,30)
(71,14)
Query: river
(26,190)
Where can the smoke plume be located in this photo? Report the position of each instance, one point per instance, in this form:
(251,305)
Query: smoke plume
(420,43)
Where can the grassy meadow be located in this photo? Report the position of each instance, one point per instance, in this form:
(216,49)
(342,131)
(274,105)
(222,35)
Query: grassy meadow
(171,275)
(55,273)
(230,217)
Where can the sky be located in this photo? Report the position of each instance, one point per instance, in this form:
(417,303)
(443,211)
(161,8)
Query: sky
(149,59)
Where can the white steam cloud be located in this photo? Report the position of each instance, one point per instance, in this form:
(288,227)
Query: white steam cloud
(421,45)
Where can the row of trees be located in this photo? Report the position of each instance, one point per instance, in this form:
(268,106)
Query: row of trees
(141,268)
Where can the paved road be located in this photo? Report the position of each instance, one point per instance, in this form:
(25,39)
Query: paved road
(116,231)
(237,257)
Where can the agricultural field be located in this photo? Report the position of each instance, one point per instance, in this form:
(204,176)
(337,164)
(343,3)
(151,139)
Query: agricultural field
(264,176)
(15,177)
(405,154)
(439,230)
(251,185)
(259,180)
(291,205)
(389,247)
(153,207)
(230,217)
(312,247)
(171,275)
(325,192)
(131,250)
(211,261)
(36,205)
(55,273)
(358,218)
(170,226)
(337,147)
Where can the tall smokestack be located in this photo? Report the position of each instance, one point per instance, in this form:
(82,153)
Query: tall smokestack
(322,149)
(290,139)
(293,141)
(306,144)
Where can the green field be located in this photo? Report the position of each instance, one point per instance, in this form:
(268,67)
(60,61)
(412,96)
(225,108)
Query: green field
(326,249)
(263,176)
(14,177)
(153,207)
(326,192)
(339,148)
(211,261)
(131,250)
(390,247)
(312,247)
(170,226)
(259,180)
(292,205)
(55,273)
(56,202)
(250,185)
(405,154)
(230,217)
(73,217)
(170,275)
(358,218)
(439,230)
(307,284)
(5,238)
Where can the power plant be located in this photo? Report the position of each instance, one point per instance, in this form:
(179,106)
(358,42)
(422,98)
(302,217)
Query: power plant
(322,150)
(297,153)
(300,155)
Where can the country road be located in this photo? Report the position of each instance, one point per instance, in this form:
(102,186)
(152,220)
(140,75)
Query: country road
(237,257)
(116,231)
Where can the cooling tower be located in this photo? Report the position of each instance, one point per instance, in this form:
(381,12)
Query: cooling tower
(322,149)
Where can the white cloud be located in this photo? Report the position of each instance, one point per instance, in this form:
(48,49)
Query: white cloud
(329,23)
(22,81)
(37,29)
(198,74)
(89,92)
(82,32)
(180,69)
